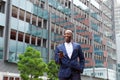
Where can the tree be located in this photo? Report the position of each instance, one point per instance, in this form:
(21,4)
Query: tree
(31,65)
(52,71)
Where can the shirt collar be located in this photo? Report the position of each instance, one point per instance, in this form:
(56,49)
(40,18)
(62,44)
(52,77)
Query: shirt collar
(68,43)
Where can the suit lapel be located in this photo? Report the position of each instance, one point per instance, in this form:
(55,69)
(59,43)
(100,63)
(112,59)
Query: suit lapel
(73,49)
(65,51)
(73,46)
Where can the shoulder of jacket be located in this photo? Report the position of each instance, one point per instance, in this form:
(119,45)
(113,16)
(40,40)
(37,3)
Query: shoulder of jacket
(76,43)
(60,45)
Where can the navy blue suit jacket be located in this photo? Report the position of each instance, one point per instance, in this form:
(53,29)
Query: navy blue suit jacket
(67,65)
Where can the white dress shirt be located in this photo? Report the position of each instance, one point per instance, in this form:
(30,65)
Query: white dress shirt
(69,49)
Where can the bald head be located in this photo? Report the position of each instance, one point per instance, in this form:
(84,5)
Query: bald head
(68,35)
(68,31)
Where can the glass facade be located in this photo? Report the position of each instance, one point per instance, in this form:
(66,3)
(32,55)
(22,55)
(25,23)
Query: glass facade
(117,19)
(41,24)
(2,20)
(117,27)
(1,47)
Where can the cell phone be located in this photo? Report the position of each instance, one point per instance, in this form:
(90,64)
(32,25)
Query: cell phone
(61,52)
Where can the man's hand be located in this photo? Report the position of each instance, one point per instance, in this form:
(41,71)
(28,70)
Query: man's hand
(61,55)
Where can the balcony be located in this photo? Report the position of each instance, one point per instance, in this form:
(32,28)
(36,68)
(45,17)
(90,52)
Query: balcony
(87,48)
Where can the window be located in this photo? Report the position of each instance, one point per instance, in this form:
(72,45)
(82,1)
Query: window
(118,70)
(42,5)
(17,78)
(44,42)
(118,65)
(39,42)
(27,38)
(11,78)
(1,54)
(5,78)
(39,22)
(52,27)
(61,31)
(45,24)
(14,11)
(33,40)
(65,3)
(21,15)
(69,4)
(57,30)
(28,17)
(34,18)
(20,36)
(1,31)
(85,41)
(52,45)
(85,55)
(2,6)
(13,35)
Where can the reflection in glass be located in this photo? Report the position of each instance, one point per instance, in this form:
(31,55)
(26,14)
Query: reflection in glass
(2,20)
(14,23)
(95,3)
(1,47)
(15,2)
(21,25)
(80,4)
(12,51)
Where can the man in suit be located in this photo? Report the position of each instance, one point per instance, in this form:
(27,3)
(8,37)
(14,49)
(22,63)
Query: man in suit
(70,58)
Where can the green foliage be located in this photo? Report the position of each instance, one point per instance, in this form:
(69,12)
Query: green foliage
(31,65)
(52,71)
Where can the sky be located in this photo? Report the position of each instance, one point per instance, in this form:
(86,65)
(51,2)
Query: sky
(118,1)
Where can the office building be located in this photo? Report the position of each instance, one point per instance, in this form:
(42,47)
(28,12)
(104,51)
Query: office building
(117,19)
(118,55)
(41,24)
(117,30)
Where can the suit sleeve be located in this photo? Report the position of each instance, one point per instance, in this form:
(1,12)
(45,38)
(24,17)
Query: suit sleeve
(63,61)
(57,59)
(78,65)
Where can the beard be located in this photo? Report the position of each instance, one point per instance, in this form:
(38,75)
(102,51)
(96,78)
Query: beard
(68,39)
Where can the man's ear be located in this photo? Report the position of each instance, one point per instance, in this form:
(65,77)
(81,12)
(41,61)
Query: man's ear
(63,36)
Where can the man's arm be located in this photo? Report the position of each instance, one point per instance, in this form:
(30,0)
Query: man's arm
(60,58)
(79,65)
(57,59)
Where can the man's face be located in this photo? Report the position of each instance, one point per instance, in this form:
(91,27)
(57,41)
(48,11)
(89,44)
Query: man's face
(68,35)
